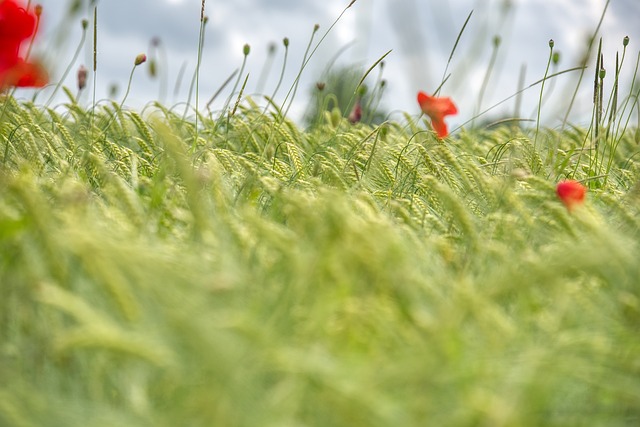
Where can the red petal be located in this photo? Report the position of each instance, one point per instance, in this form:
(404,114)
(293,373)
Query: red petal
(440,127)
(448,107)
(437,108)
(422,98)
(24,74)
(16,23)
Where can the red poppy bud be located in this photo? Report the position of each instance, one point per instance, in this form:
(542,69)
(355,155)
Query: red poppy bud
(140,59)
(356,113)
(82,77)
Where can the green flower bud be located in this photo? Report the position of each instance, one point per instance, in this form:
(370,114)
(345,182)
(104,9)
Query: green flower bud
(153,68)
(383,131)
(336,115)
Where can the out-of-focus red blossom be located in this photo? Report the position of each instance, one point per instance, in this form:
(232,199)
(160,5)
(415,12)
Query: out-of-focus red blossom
(17,24)
(356,112)
(571,193)
(82,77)
(437,108)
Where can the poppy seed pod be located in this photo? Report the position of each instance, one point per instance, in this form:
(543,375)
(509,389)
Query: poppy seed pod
(602,73)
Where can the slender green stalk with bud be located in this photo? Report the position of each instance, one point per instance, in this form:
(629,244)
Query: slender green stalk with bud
(539,109)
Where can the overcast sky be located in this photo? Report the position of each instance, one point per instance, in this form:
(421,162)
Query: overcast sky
(420,33)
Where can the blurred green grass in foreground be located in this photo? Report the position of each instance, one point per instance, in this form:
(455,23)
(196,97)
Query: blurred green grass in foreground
(254,274)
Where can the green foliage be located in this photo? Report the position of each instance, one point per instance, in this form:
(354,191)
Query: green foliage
(251,274)
(338,90)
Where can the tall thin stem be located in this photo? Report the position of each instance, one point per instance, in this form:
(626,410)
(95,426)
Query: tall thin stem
(487,74)
(203,21)
(308,57)
(546,73)
(73,61)
(591,40)
(453,50)
(95,65)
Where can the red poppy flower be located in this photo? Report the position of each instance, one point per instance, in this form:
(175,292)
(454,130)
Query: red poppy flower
(17,24)
(571,193)
(437,108)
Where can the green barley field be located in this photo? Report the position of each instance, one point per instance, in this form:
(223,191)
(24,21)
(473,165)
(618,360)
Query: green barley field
(240,269)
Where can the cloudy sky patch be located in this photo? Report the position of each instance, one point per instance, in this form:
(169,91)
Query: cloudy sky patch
(421,34)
